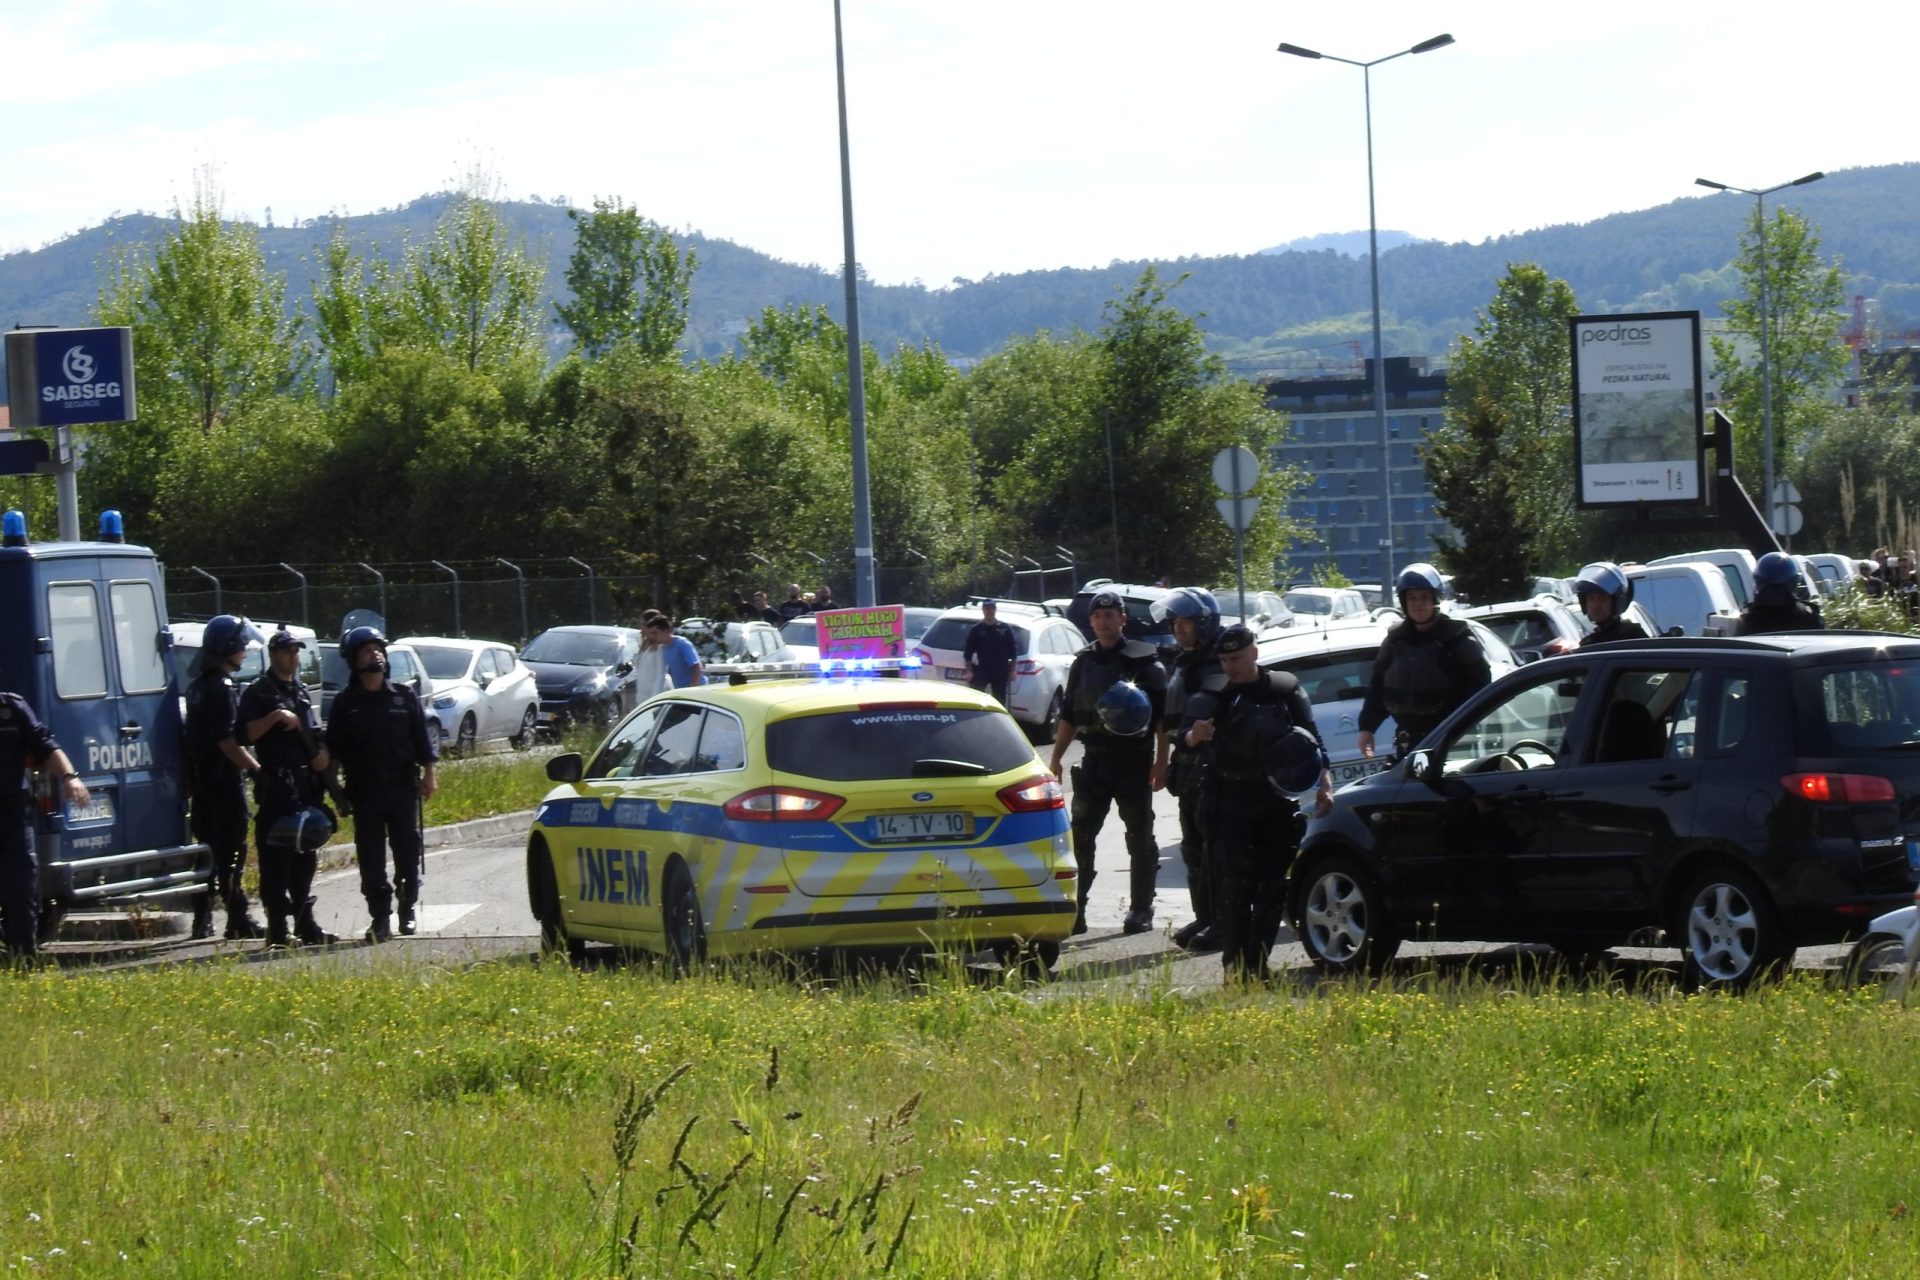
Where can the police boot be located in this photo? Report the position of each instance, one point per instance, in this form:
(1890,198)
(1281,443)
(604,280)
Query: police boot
(408,925)
(381,930)
(241,925)
(1187,932)
(308,930)
(1138,920)
(277,935)
(202,917)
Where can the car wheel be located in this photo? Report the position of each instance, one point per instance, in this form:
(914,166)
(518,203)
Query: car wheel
(1729,932)
(1343,920)
(1033,961)
(1055,705)
(529,729)
(543,896)
(686,935)
(435,738)
(468,737)
(1880,960)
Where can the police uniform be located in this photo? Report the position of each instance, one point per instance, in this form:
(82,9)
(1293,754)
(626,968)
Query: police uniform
(380,738)
(990,652)
(1420,675)
(24,743)
(1254,829)
(218,794)
(285,785)
(1195,671)
(1776,609)
(1614,629)
(1116,771)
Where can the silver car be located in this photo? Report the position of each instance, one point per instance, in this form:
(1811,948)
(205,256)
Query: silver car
(1044,645)
(481,691)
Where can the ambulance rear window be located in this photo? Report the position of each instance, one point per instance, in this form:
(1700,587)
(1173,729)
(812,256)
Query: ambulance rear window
(888,742)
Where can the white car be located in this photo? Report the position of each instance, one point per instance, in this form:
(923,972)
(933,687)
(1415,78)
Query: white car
(736,642)
(1326,604)
(186,647)
(1044,645)
(1542,627)
(802,634)
(481,692)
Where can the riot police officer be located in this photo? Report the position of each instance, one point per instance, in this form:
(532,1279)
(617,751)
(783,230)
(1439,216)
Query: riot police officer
(1428,664)
(25,743)
(1194,615)
(1604,591)
(277,718)
(1115,697)
(1775,605)
(378,732)
(215,764)
(1264,750)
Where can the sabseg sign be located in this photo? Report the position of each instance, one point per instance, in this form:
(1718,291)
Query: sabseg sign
(66,377)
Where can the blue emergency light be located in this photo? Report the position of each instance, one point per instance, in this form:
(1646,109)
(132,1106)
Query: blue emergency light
(112,528)
(13,529)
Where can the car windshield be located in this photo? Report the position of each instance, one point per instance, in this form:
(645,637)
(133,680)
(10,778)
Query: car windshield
(918,620)
(1523,630)
(572,648)
(948,633)
(801,631)
(1300,602)
(1871,706)
(444,662)
(1334,677)
(896,742)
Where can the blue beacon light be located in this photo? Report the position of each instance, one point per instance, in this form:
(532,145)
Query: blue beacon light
(13,529)
(112,528)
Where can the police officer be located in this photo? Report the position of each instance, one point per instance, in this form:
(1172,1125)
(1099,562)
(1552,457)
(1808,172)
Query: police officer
(378,732)
(215,764)
(1115,700)
(1775,605)
(1604,591)
(1194,616)
(1428,664)
(1259,734)
(277,719)
(990,652)
(25,743)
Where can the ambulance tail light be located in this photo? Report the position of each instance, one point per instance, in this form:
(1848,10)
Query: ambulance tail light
(1027,667)
(1033,795)
(783,804)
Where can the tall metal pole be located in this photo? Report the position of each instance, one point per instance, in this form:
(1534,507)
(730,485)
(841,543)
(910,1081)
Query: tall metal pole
(863,589)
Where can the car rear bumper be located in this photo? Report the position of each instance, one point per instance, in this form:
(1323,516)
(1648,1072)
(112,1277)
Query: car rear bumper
(809,924)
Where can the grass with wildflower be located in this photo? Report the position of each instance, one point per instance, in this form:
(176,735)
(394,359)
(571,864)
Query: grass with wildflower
(533,1120)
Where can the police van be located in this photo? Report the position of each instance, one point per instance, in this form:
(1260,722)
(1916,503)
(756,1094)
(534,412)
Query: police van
(83,637)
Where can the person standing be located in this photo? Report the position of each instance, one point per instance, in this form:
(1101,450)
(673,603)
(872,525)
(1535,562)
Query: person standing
(1428,665)
(1775,606)
(26,743)
(1263,747)
(1194,616)
(765,612)
(795,604)
(681,659)
(1115,703)
(277,719)
(378,732)
(823,599)
(217,767)
(990,652)
(1604,591)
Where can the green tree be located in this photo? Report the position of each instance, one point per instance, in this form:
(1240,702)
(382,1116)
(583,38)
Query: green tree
(1501,463)
(470,292)
(356,312)
(630,283)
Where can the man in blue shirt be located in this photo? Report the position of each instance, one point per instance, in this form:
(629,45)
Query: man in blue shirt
(683,662)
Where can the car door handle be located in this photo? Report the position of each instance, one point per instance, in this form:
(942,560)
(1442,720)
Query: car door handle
(130,730)
(1523,795)
(1667,786)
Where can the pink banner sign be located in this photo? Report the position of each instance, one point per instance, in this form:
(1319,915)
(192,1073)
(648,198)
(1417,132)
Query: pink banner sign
(879,632)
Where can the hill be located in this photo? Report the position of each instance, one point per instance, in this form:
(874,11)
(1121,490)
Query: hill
(1266,311)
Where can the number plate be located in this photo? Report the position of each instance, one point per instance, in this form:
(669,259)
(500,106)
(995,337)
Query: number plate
(1353,770)
(953,673)
(99,808)
(922,826)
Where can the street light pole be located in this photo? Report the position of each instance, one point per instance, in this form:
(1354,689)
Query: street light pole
(1766,307)
(1373,257)
(863,585)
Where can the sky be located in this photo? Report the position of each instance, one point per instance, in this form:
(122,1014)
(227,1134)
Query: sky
(989,136)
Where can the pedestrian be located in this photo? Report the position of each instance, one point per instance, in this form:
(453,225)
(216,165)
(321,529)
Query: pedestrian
(990,652)
(1604,591)
(650,665)
(378,733)
(1194,615)
(765,612)
(1776,605)
(1909,589)
(1115,704)
(1263,748)
(26,743)
(278,721)
(217,768)
(823,598)
(794,605)
(1427,665)
(681,659)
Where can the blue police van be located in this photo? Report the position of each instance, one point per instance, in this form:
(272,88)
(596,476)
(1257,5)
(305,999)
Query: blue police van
(83,637)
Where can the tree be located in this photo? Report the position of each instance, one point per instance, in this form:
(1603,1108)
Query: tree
(630,283)
(470,293)
(1501,463)
(356,312)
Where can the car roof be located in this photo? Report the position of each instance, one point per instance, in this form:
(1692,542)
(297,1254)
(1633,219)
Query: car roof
(196,630)
(1359,633)
(455,642)
(591,629)
(777,699)
(1813,646)
(1536,604)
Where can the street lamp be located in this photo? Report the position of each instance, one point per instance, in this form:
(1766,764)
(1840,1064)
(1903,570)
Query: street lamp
(863,583)
(1373,253)
(1766,354)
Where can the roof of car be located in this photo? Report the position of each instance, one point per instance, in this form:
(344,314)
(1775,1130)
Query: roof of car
(782,698)
(455,642)
(1814,645)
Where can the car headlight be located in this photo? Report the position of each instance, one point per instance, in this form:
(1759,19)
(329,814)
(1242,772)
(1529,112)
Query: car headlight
(445,702)
(591,684)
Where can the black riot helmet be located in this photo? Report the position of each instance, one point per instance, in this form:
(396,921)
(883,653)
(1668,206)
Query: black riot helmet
(302,831)
(357,639)
(1193,603)
(1293,763)
(1125,710)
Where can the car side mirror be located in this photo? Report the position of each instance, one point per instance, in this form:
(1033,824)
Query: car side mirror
(1424,766)
(566,767)
(1527,655)
(1674,631)
(624,669)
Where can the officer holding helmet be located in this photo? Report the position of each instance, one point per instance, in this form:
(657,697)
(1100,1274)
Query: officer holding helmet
(1115,700)
(277,719)
(1775,605)
(215,764)
(1194,615)
(1428,665)
(1264,754)
(1604,591)
(26,743)
(378,732)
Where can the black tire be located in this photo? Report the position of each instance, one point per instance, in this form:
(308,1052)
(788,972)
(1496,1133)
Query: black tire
(543,896)
(1879,960)
(1728,932)
(1342,918)
(1055,706)
(529,730)
(468,738)
(1033,961)
(680,914)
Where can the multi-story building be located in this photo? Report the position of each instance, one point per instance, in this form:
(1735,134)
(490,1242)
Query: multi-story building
(1335,440)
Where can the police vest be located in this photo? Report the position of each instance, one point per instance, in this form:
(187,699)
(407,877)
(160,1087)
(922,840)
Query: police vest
(1195,671)
(211,704)
(278,748)
(374,734)
(1099,670)
(1417,686)
(1250,719)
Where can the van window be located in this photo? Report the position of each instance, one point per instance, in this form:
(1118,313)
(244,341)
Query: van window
(79,661)
(1735,584)
(1674,602)
(136,637)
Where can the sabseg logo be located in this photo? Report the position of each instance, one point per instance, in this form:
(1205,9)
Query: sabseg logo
(79,368)
(77,365)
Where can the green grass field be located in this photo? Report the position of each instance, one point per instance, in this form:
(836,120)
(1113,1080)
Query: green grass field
(523,1120)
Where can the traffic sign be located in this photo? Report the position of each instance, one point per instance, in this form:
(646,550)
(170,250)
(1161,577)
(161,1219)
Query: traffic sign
(1236,471)
(1787,520)
(1784,494)
(1237,512)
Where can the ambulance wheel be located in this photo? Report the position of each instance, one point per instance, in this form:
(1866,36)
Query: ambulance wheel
(686,935)
(543,895)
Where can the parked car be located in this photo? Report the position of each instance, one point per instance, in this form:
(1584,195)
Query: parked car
(1044,645)
(1743,797)
(1327,604)
(584,674)
(801,635)
(1259,610)
(186,647)
(1693,595)
(1734,563)
(1542,627)
(718,642)
(403,667)
(1140,623)
(481,692)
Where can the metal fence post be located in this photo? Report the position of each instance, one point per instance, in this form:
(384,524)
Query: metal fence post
(380,578)
(456,594)
(194,568)
(523,596)
(593,598)
(305,621)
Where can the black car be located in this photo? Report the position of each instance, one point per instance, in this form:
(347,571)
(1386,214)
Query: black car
(1743,797)
(584,673)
